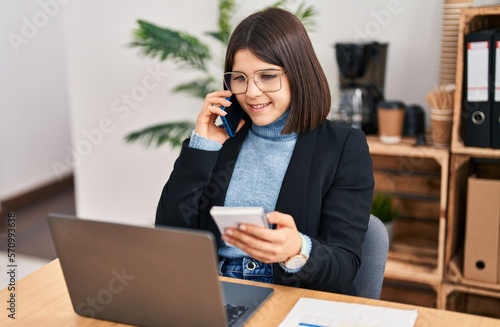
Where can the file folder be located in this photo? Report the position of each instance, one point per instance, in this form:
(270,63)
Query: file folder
(478,88)
(482,237)
(495,110)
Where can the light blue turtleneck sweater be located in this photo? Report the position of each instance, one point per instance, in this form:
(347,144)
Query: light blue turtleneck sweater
(259,170)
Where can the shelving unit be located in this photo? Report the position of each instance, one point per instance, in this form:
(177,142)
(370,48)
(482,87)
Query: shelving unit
(459,293)
(471,20)
(462,166)
(431,186)
(417,179)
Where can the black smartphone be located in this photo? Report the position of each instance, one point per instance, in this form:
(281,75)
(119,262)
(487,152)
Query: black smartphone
(233,117)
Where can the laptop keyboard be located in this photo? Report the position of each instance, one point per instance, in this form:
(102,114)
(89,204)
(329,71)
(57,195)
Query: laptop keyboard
(234,312)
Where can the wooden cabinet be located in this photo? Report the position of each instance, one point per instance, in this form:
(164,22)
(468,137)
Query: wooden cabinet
(459,293)
(431,185)
(471,20)
(417,179)
(482,294)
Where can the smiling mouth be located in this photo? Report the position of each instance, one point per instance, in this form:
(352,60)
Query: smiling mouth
(257,107)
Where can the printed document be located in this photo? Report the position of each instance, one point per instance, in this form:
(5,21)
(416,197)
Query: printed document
(322,313)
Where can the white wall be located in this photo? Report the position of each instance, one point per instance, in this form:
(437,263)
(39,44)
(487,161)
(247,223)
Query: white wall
(34,122)
(120,182)
(116,181)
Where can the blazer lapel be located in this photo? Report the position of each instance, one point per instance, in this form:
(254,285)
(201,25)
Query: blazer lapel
(292,198)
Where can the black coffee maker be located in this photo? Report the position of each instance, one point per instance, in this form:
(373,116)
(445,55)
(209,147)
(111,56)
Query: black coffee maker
(361,79)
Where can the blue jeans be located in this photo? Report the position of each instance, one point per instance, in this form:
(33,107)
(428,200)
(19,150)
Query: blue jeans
(246,268)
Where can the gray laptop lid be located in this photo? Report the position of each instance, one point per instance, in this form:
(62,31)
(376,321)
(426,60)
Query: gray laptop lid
(146,276)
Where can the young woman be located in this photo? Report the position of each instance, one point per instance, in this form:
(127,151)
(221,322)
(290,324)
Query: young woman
(312,176)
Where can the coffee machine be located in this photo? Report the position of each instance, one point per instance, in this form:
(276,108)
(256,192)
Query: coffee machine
(361,81)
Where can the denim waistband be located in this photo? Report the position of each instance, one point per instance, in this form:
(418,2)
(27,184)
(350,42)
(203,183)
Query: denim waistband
(246,268)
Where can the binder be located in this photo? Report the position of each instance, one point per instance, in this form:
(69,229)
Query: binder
(495,110)
(482,237)
(478,88)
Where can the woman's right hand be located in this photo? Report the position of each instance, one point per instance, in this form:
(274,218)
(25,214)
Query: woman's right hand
(210,110)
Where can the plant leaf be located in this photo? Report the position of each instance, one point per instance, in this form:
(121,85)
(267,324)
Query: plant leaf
(198,88)
(215,35)
(382,207)
(306,15)
(165,43)
(279,3)
(226,12)
(171,133)
(188,52)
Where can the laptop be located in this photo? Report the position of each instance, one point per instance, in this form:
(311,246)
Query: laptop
(148,276)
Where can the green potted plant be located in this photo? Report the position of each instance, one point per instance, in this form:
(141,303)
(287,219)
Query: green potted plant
(189,52)
(384,209)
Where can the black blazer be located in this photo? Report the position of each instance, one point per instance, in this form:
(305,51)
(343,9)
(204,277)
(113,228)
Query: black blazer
(327,188)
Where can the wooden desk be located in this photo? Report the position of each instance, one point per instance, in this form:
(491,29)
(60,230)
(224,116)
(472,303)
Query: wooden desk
(42,299)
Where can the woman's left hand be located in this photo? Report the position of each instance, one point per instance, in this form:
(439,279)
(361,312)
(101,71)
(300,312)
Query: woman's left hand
(264,244)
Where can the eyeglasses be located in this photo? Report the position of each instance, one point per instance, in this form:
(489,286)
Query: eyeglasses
(266,80)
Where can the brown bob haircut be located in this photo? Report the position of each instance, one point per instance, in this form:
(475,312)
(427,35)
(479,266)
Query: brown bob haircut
(277,37)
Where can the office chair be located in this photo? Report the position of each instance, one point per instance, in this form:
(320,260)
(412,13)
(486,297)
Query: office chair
(370,275)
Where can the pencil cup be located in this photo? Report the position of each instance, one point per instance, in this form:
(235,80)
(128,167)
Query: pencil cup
(441,123)
(390,116)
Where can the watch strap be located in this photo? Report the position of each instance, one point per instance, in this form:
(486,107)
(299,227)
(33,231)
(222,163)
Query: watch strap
(305,251)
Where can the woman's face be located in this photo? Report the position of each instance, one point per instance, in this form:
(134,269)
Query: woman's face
(262,107)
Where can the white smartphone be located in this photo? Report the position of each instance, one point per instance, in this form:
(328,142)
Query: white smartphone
(226,217)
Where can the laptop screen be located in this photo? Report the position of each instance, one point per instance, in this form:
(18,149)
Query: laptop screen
(145,276)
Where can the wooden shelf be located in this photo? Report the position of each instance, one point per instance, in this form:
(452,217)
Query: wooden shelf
(459,148)
(417,178)
(414,260)
(402,270)
(459,293)
(430,183)
(461,167)
(469,299)
(460,170)
(409,293)
(408,148)
(454,274)
(472,19)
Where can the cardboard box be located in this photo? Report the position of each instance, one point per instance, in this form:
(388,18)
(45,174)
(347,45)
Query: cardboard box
(482,234)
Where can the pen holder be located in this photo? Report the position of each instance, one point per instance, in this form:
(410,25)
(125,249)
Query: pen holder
(441,123)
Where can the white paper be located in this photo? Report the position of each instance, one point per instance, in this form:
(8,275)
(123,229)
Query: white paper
(477,71)
(497,71)
(322,313)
